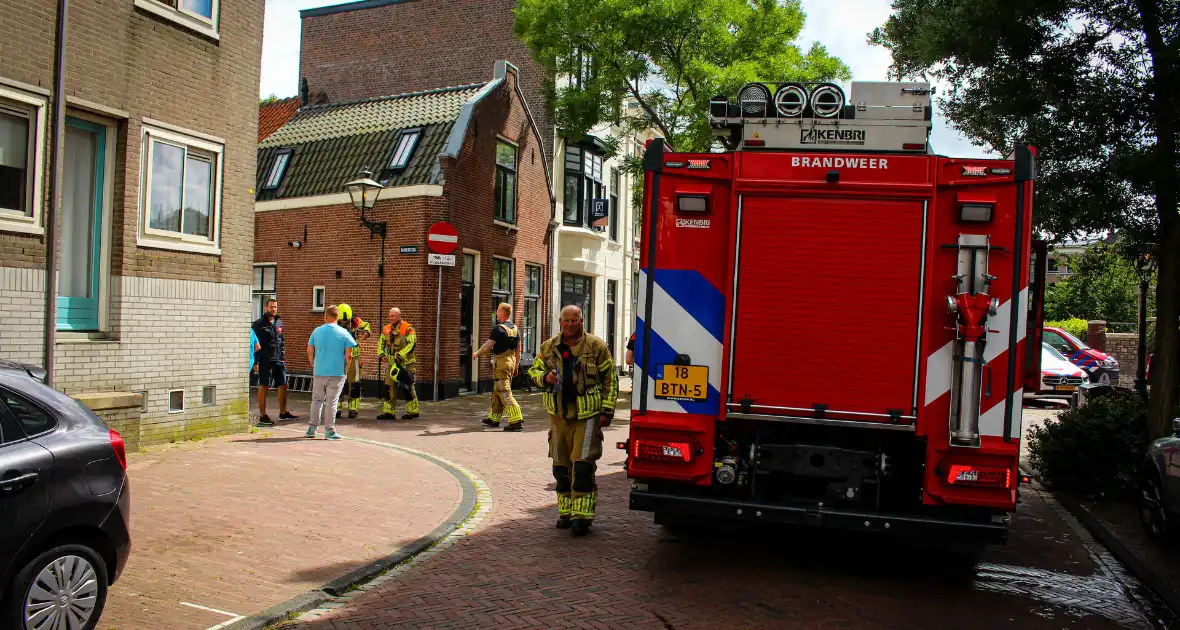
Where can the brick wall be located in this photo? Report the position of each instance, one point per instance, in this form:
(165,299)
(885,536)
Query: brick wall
(171,334)
(124,58)
(336,242)
(418,45)
(173,316)
(1125,348)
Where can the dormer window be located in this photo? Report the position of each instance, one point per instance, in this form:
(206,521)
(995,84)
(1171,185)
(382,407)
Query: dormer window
(403,150)
(278,168)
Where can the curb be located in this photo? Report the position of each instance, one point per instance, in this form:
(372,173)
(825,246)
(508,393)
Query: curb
(1106,538)
(473,490)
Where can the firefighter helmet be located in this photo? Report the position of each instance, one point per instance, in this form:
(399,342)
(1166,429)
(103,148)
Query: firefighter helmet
(345,313)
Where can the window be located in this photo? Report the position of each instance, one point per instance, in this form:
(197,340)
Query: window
(317,299)
(22,136)
(579,290)
(532,310)
(31,419)
(612,291)
(201,16)
(635,295)
(403,150)
(502,281)
(9,432)
(143,396)
(505,182)
(175,401)
(208,395)
(181,191)
(264,287)
(583,183)
(278,168)
(614,204)
(1055,340)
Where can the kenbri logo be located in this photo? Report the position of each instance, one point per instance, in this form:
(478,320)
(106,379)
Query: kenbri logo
(839,162)
(832,136)
(692,223)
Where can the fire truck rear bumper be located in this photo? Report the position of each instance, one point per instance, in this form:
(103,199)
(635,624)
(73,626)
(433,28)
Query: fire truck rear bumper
(683,508)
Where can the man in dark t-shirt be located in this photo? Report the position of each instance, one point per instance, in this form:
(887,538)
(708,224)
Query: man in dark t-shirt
(271,360)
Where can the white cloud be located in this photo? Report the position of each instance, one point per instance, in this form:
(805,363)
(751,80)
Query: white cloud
(840,26)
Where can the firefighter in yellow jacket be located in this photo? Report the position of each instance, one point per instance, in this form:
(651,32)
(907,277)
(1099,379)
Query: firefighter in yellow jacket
(397,344)
(359,329)
(581,387)
(504,344)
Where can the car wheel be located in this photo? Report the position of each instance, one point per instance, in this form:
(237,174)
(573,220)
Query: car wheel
(1153,513)
(65,587)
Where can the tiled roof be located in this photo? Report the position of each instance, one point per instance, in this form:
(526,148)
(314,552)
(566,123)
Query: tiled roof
(332,143)
(354,118)
(275,114)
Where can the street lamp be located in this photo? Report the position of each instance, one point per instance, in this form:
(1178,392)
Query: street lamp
(1144,268)
(364,193)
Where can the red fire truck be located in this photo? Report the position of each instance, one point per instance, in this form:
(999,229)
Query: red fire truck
(834,324)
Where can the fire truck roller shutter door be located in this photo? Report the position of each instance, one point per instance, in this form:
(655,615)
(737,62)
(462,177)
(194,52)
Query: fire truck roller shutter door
(688,317)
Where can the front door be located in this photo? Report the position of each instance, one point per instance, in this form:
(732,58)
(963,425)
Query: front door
(466,322)
(81,225)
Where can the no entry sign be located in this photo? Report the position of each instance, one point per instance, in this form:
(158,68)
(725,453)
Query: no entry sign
(442,238)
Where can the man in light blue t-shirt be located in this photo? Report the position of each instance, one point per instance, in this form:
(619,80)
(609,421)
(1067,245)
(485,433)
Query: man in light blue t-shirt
(327,352)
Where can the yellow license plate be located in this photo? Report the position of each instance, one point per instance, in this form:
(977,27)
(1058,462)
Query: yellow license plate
(683,382)
(1066,388)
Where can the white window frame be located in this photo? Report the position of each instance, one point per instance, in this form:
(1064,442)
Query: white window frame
(196,22)
(30,222)
(278,170)
(322,293)
(255,293)
(182,401)
(511,279)
(405,148)
(208,388)
(164,239)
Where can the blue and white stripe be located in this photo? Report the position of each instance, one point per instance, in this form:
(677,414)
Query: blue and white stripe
(688,317)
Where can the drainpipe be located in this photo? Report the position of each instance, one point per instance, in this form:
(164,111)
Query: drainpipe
(59,125)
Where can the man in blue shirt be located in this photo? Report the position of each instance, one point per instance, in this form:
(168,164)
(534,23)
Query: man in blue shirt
(328,350)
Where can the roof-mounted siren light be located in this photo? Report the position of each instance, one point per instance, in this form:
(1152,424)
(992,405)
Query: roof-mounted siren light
(790,100)
(754,99)
(827,101)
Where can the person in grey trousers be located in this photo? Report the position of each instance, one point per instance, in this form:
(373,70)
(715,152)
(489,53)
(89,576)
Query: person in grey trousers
(329,350)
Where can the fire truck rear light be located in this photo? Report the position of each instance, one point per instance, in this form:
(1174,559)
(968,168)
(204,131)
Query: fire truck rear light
(975,212)
(755,143)
(914,146)
(981,476)
(661,451)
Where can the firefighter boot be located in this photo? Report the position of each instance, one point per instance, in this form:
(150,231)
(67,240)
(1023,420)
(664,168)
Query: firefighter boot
(387,411)
(493,420)
(354,407)
(561,474)
(411,408)
(515,419)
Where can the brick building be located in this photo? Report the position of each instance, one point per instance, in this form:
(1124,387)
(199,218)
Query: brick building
(470,155)
(156,231)
(375,47)
(378,47)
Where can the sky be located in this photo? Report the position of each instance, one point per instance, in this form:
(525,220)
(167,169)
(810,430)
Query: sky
(840,26)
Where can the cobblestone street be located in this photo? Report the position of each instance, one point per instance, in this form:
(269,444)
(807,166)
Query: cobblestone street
(513,569)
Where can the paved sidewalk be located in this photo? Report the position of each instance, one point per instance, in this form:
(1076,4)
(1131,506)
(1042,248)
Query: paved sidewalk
(241,523)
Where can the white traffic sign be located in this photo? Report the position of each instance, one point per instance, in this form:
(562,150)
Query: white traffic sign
(442,238)
(442,260)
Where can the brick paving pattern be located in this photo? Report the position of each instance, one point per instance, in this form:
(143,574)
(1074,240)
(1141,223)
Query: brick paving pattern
(241,523)
(517,571)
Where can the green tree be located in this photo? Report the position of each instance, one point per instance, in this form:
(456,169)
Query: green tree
(1094,86)
(1102,285)
(669,56)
